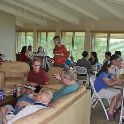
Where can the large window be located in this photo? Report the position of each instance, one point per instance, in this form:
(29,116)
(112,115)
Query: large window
(45,39)
(116,42)
(78,45)
(100,45)
(103,42)
(24,39)
(73,41)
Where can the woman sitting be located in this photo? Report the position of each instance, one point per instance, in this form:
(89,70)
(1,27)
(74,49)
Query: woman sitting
(104,81)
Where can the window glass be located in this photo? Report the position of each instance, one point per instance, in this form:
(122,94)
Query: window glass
(67,40)
(29,38)
(50,44)
(100,45)
(116,43)
(21,40)
(43,40)
(78,45)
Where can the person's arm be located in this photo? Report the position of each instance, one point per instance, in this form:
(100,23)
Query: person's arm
(24,112)
(110,82)
(65,52)
(44,77)
(3,114)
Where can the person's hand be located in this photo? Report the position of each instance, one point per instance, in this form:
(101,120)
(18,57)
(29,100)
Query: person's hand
(122,81)
(4,110)
(57,76)
(62,54)
(23,104)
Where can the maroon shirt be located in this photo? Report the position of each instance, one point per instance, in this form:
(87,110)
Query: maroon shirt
(39,78)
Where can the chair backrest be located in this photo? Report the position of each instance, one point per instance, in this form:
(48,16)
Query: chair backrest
(92,79)
(80,70)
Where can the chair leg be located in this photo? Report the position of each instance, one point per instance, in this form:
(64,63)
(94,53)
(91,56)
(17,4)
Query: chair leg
(105,110)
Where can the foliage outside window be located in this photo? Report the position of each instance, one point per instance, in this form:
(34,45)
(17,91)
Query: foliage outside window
(74,42)
(24,39)
(78,46)
(100,43)
(117,42)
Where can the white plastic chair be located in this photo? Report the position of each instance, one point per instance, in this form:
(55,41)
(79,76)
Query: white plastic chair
(122,109)
(82,74)
(96,98)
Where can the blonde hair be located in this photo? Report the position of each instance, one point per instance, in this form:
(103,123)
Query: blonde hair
(48,93)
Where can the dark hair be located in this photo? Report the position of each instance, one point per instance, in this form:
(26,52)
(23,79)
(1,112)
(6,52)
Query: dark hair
(94,54)
(114,57)
(105,67)
(85,54)
(108,53)
(118,53)
(56,37)
(24,48)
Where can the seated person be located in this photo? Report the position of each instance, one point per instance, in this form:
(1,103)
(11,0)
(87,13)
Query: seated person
(26,95)
(41,101)
(68,81)
(93,58)
(107,57)
(84,62)
(68,61)
(37,77)
(103,85)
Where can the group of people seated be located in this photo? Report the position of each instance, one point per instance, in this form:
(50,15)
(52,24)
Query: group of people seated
(34,96)
(106,78)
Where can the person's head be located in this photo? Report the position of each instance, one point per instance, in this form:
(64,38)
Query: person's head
(40,49)
(36,64)
(115,60)
(107,55)
(28,90)
(29,48)
(67,76)
(85,54)
(118,53)
(93,55)
(24,49)
(44,96)
(107,67)
(57,40)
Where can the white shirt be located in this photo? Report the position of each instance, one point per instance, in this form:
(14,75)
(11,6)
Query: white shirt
(26,111)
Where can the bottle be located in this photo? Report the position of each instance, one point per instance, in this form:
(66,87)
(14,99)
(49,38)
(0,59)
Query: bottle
(18,90)
(14,91)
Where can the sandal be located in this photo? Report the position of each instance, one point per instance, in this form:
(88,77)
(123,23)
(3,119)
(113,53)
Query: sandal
(111,116)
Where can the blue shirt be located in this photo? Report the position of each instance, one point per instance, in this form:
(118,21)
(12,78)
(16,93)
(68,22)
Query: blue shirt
(25,98)
(99,83)
(68,62)
(65,91)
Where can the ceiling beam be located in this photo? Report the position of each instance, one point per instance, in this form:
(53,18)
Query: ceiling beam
(21,4)
(77,8)
(119,2)
(108,8)
(16,12)
(53,11)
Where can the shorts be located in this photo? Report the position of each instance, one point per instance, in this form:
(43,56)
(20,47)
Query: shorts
(108,93)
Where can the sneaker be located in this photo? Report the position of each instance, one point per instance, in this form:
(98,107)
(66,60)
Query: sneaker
(111,116)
